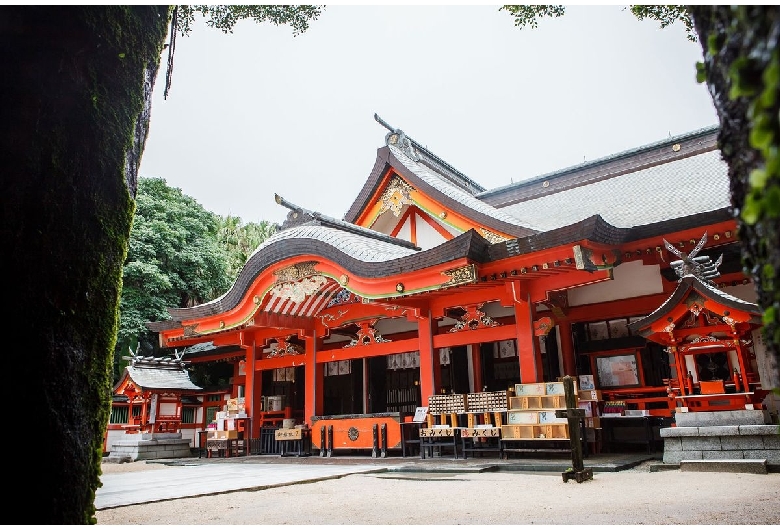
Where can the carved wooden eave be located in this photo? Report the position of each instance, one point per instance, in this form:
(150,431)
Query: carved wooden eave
(366,335)
(472,319)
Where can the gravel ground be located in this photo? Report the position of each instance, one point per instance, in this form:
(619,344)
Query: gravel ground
(630,497)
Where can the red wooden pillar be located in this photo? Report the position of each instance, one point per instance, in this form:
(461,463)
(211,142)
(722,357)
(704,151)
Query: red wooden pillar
(314,381)
(476,366)
(681,371)
(567,349)
(528,355)
(144,409)
(430,369)
(251,390)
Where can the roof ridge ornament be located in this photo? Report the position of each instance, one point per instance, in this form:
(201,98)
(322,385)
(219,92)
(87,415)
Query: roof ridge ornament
(398,138)
(149,361)
(702,267)
(297,214)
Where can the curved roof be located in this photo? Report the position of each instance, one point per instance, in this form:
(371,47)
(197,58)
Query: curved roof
(362,256)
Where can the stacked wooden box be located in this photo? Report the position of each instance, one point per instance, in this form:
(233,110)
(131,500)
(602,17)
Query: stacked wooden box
(531,414)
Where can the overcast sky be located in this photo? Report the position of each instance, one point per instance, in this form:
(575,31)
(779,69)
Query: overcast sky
(260,111)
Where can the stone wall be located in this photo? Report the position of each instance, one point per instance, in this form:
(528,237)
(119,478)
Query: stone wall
(727,435)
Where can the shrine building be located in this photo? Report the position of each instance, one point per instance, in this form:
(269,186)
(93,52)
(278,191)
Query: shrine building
(432,291)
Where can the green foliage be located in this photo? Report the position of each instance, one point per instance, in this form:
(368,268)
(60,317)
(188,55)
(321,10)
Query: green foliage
(225,18)
(668,15)
(241,240)
(179,255)
(173,260)
(530,15)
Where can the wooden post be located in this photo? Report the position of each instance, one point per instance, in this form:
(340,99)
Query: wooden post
(573,415)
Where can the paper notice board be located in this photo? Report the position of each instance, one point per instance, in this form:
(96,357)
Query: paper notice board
(420,414)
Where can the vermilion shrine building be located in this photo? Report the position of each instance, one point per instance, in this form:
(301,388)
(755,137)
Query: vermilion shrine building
(431,284)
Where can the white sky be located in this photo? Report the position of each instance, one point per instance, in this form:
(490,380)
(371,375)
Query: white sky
(260,112)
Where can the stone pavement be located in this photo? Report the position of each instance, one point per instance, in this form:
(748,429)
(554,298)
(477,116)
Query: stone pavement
(193,477)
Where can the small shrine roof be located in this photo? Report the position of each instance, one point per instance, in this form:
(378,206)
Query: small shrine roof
(707,290)
(159,374)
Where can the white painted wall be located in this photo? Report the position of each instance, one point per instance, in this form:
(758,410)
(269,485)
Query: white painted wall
(630,280)
(405,232)
(427,236)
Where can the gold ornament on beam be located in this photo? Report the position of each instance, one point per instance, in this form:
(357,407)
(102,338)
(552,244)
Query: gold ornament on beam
(395,196)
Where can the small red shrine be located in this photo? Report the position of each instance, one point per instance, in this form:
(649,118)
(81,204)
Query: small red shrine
(149,397)
(709,334)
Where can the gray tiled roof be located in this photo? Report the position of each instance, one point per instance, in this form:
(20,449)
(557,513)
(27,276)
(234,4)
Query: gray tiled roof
(358,246)
(161,378)
(672,190)
(438,182)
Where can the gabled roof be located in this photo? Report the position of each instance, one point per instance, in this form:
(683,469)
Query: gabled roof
(438,188)
(157,374)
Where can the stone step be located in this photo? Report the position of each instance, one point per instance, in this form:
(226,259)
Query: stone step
(746,465)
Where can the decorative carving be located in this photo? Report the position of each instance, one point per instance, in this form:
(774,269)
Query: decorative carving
(460,276)
(395,196)
(543,326)
(343,297)
(473,319)
(296,272)
(398,139)
(492,236)
(332,318)
(283,347)
(299,290)
(189,331)
(700,266)
(705,338)
(353,433)
(367,335)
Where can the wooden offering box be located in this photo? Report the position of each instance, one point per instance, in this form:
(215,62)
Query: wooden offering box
(554,431)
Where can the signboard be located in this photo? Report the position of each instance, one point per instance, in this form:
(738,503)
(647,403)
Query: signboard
(420,413)
(153,406)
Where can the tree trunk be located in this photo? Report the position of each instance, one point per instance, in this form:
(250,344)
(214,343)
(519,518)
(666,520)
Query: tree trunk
(739,33)
(76,86)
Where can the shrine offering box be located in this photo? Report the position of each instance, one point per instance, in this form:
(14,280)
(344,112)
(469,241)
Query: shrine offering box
(712,387)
